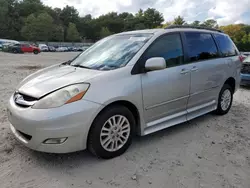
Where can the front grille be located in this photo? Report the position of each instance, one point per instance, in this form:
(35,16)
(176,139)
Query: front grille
(26,136)
(23,100)
(245,69)
(28,98)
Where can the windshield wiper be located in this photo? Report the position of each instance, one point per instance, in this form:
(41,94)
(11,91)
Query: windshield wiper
(67,62)
(81,66)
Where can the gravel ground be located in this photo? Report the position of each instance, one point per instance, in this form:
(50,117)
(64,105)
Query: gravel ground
(210,151)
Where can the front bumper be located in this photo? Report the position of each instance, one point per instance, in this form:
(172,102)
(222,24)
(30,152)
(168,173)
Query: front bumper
(245,79)
(33,126)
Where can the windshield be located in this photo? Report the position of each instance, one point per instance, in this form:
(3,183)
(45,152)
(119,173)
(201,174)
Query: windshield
(111,52)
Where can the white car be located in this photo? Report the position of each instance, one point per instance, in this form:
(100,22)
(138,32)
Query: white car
(43,47)
(61,49)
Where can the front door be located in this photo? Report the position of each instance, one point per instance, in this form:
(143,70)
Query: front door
(166,92)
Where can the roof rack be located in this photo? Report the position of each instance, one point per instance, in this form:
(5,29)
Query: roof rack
(192,27)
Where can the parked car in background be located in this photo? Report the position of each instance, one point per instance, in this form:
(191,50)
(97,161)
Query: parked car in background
(43,47)
(52,48)
(62,49)
(245,53)
(6,42)
(84,48)
(135,82)
(79,49)
(23,48)
(245,72)
(3,41)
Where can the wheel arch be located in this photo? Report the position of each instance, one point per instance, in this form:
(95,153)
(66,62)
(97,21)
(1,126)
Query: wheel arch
(231,81)
(132,107)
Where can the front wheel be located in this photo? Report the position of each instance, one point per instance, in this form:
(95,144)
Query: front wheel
(225,100)
(14,51)
(35,52)
(111,132)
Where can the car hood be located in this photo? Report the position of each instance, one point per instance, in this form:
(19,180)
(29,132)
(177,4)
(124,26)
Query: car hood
(50,79)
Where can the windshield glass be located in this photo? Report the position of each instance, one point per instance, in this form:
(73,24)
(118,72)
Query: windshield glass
(111,52)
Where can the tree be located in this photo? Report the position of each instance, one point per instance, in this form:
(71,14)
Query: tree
(28,7)
(236,31)
(152,18)
(44,26)
(69,14)
(72,33)
(58,33)
(38,28)
(10,21)
(105,32)
(139,14)
(166,24)
(195,23)
(179,21)
(210,24)
(29,29)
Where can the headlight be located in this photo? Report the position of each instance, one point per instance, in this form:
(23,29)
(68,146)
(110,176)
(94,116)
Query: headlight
(62,96)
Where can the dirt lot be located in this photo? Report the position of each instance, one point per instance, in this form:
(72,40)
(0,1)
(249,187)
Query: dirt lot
(209,152)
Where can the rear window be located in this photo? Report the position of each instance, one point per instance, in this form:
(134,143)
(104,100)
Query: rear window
(226,45)
(201,46)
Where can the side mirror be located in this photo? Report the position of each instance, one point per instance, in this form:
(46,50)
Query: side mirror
(155,63)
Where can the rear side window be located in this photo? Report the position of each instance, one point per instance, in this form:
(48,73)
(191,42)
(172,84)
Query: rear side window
(226,45)
(169,47)
(201,46)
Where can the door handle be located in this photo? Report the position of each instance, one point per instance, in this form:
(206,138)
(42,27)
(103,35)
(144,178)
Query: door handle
(194,69)
(185,71)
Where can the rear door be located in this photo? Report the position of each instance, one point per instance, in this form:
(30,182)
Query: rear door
(207,73)
(230,55)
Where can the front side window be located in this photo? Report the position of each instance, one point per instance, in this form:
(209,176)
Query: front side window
(111,52)
(201,46)
(226,45)
(169,47)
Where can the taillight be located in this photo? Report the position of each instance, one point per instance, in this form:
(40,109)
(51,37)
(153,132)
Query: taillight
(241,58)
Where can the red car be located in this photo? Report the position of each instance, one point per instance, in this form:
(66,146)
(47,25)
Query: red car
(24,48)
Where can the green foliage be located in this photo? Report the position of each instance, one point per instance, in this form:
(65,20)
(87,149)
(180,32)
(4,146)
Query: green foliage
(179,21)
(152,18)
(210,24)
(57,33)
(195,23)
(72,33)
(38,28)
(105,32)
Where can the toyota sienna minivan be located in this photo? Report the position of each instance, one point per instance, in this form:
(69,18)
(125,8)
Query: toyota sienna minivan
(136,82)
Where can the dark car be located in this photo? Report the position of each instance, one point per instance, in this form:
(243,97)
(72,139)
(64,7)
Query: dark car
(245,72)
(14,48)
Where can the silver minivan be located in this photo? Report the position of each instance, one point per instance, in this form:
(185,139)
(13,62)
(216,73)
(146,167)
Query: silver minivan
(136,82)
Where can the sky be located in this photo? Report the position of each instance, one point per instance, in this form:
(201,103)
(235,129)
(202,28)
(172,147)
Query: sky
(224,11)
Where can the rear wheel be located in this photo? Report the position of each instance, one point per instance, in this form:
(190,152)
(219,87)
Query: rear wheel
(225,100)
(111,132)
(35,51)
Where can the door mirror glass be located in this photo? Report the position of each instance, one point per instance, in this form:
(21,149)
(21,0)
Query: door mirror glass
(155,63)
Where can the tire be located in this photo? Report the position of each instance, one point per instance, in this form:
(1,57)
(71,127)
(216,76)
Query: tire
(96,142)
(35,52)
(14,51)
(223,109)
